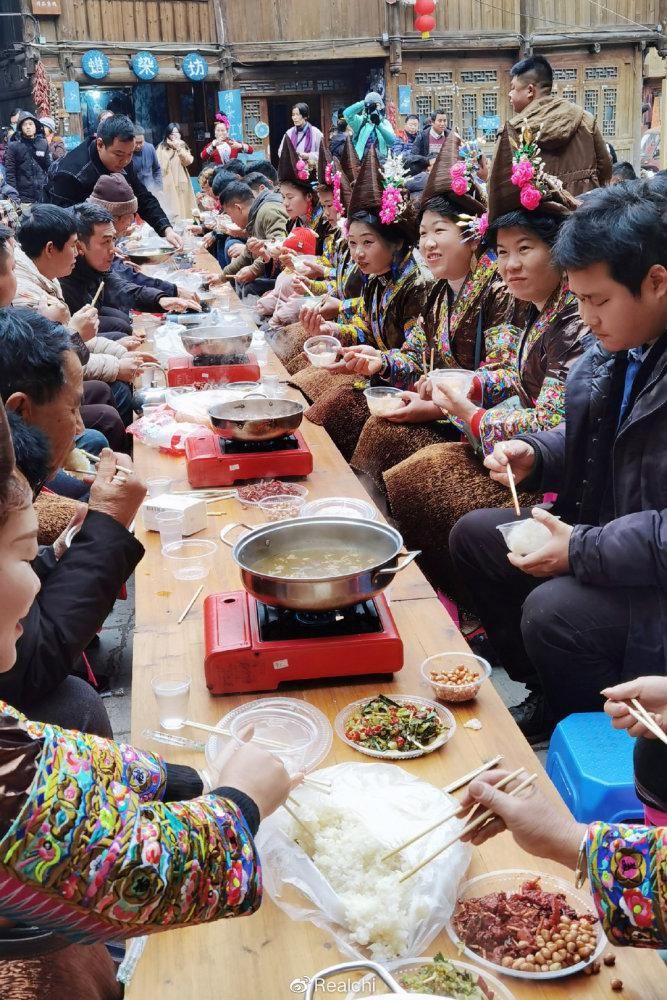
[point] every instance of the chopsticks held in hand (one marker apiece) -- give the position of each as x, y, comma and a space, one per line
512, 482
473, 824
639, 714
96, 461
97, 294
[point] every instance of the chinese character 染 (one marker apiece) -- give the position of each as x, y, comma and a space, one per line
145, 66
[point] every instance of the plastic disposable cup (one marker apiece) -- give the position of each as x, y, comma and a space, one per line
172, 694
170, 525
156, 487
271, 386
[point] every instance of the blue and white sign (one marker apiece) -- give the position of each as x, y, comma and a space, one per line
404, 100
71, 97
95, 64
229, 102
145, 65
195, 66
489, 123
71, 141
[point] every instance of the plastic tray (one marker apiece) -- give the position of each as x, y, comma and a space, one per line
306, 731
445, 715
510, 880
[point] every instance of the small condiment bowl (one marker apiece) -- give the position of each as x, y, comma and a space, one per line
322, 351
281, 507
447, 662
455, 378
383, 400
191, 559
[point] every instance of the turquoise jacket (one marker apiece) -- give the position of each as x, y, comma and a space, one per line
363, 129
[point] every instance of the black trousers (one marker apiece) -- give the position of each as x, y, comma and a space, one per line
99, 413
557, 636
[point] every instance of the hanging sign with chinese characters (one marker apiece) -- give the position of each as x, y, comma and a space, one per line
95, 64
144, 65
48, 8
194, 66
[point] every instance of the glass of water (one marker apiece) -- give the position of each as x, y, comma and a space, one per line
170, 525
172, 695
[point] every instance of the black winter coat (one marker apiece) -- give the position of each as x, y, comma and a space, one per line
27, 161
77, 594
74, 176
612, 485
80, 286
422, 143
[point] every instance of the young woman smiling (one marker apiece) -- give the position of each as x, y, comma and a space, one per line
521, 390
394, 295
463, 310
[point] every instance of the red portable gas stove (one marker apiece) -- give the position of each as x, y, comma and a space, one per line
214, 461
186, 371
253, 647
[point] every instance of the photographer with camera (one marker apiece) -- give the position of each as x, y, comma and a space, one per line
369, 125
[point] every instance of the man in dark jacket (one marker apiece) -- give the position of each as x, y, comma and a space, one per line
97, 249
41, 381
27, 158
601, 615
76, 174
263, 218
570, 141
431, 139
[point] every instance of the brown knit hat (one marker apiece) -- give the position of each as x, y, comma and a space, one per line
367, 197
349, 160
113, 192
292, 168
505, 196
440, 180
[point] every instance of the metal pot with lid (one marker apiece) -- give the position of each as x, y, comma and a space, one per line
347, 561
316, 983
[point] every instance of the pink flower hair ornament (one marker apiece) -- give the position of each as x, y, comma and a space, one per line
474, 226
337, 202
329, 174
302, 170
528, 169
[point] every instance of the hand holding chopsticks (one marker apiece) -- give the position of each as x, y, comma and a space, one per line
639, 714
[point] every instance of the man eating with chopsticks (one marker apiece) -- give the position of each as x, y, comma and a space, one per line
588, 608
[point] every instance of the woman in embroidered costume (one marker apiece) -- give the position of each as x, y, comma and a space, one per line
626, 865
522, 391
463, 310
333, 275
382, 232
100, 841
304, 212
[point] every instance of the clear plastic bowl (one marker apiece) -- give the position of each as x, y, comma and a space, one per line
498, 989
446, 662
296, 488
456, 378
322, 351
445, 716
191, 559
509, 881
340, 507
539, 536
281, 507
305, 733
383, 400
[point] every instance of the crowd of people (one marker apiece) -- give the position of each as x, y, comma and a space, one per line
543, 276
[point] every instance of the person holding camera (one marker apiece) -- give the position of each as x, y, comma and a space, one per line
369, 125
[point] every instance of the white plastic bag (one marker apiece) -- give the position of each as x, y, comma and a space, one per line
387, 806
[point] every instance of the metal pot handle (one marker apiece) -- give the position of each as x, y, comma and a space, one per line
230, 527
392, 570
253, 395
333, 970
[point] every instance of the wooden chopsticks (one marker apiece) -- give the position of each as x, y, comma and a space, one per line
473, 824
96, 461
640, 714
512, 482
97, 294
189, 605
455, 810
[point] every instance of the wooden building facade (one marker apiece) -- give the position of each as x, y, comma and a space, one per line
328, 52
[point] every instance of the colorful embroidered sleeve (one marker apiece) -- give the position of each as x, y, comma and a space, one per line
627, 868
508, 419
357, 330
405, 363
350, 307
88, 858
499, 374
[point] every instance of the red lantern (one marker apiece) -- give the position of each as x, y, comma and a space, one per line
424, 7
425, 23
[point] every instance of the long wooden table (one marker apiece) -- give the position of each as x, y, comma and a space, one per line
257, 958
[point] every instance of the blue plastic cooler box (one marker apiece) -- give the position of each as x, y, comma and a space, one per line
590, 763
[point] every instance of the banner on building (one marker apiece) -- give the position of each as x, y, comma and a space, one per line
229, 102
404, 100
71, 97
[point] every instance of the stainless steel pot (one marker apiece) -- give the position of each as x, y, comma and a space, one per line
150, 255
214, 343
256, 419
317, 982
380, 544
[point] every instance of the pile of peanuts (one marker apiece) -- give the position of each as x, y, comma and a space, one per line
573, 941
460, 676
